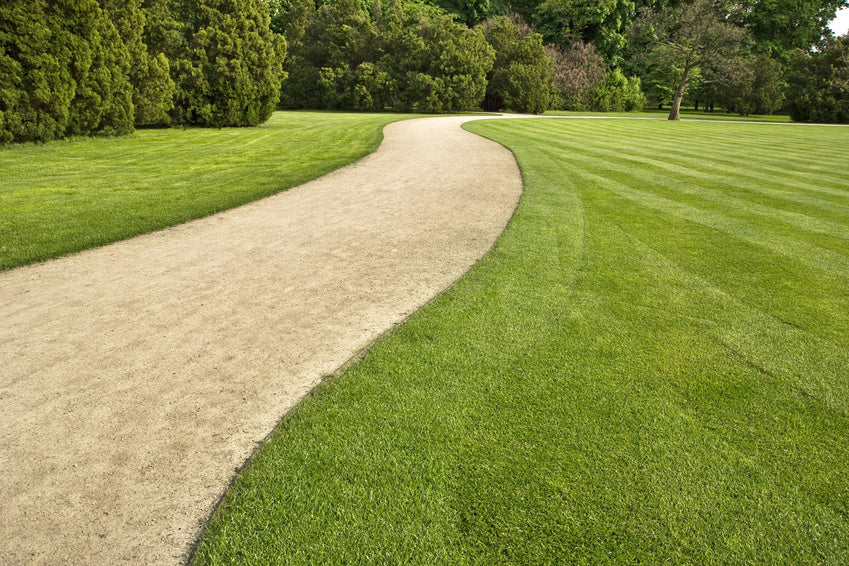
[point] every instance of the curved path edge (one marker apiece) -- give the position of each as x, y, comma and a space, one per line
137, 378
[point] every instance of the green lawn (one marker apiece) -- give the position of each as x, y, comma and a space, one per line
686, 114
652, 366
62, 197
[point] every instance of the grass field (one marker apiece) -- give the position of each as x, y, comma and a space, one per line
650, 367
686, 114
62, 197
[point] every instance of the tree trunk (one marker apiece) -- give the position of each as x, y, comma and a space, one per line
675, 112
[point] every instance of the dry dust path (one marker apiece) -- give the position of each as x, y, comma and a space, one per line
135, 379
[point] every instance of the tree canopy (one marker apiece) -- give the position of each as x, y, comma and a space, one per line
101, 67
819, 84
686, 38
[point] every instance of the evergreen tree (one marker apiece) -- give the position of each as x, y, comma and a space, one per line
163, 31
36, 88
153, 89
337, 39
434, 63
229, 69
98, 61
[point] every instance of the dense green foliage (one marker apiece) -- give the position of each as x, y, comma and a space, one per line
83, 67
86, 67
36, 87
616, 93
64, 71
650, 367
520, 79
352, 54
98, 62
149, 73
396, 57
819, 84
89, 192
228, 69
778, 27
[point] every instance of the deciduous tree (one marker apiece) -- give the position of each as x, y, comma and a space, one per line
687, 37
577, 70
819, 84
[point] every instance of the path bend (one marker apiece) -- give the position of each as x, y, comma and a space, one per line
138, 377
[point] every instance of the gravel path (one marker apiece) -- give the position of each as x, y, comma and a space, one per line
135, 379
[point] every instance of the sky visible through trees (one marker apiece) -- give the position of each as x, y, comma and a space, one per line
840, 24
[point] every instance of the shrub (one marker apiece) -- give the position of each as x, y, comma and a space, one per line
577, 71
818, 89
520, 79
617, 94
35, 87
398, 58
229, 69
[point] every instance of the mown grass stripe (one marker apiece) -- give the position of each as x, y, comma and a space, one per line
731, 322
807, 253
701, 191
792, 172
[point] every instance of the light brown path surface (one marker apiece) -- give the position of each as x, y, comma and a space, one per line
135, 379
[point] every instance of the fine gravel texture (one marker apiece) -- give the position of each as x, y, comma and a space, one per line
137, 378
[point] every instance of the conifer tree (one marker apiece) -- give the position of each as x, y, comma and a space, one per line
35, 87
98, 61
153, 89
229, 69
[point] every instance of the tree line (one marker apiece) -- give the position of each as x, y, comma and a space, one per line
104, 67
89, 67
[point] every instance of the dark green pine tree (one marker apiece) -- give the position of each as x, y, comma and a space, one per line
35, 87
229, 70
153, 89
99, 64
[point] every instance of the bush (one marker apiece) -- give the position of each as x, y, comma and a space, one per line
617, 94
445, 72
404, 59
229, 69
577, 71
35, 87
64, 72
149, 74
520, 79
818, 89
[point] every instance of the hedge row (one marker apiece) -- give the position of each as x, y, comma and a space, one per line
87, 67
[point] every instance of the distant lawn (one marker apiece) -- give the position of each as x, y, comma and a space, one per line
686, 114
66, 196
652, 366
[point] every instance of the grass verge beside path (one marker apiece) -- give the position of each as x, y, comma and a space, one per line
650, 367
66, 196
